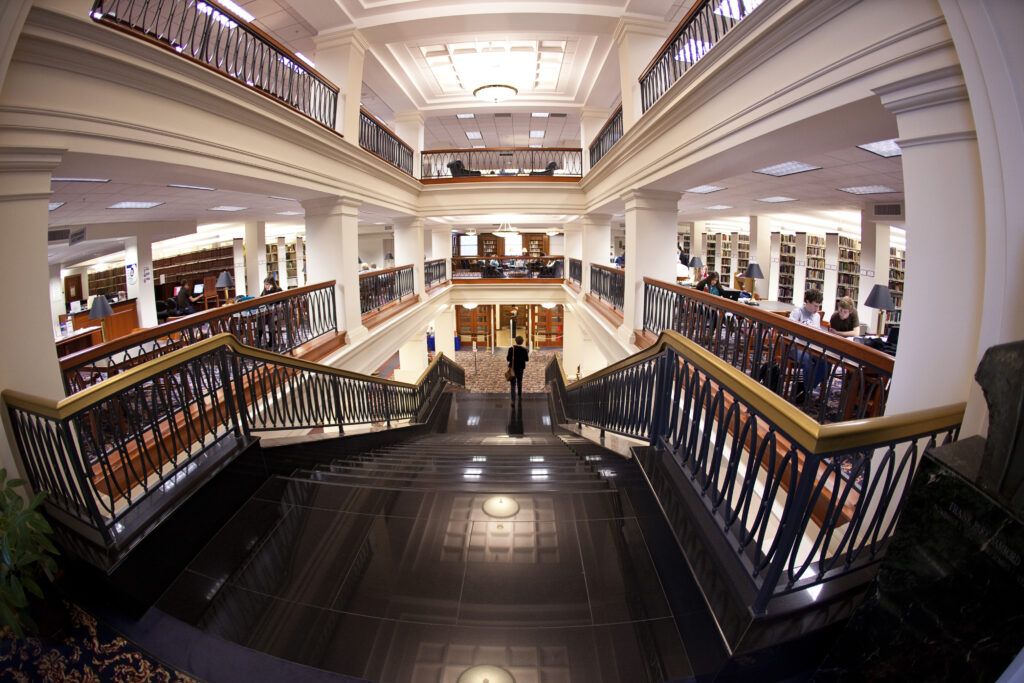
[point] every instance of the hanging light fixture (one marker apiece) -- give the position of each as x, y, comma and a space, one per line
505, 230
496, 92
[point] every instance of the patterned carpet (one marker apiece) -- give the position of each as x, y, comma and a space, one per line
485, 372
82, 650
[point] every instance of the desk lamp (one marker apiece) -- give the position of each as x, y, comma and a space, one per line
879, 297
225, 281
696, 263
99, 310
753, 272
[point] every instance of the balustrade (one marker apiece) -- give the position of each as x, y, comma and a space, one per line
381, 288
608, 285
503, 162
609, 135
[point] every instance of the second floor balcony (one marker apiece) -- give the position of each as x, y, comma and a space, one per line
562, 164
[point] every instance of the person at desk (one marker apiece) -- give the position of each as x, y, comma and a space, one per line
268, 314
269, 286
186, 300
814, 366
844, 321
710, 284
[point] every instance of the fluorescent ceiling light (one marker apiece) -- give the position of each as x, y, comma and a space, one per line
287, 199
306, 59
883, 148
478, 146
539, 115
242, 14
474, 135
55, 205
787, 168
228, 208
718, 207
868, 189
465, 116
289, 213
693, 50
80, 180
134, 205
536, 134
705, 189
776, 199
193, 187
536, 145
732, 8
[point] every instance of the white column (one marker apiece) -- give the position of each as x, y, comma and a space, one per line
831, 268
444, 332
874, 266
572, 340
441, 247
412, 358
945, 235
597, 237
697, 247
255, 257
58, 306
409, 126
651, 221
760, 252
332, 230
12, 20
409, 247
800, 270
775, 250
138, 255
300, 262
31, 356
238, 257
282, 263
637, 41
592, 119
339, 57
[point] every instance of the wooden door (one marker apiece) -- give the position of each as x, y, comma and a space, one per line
73, 288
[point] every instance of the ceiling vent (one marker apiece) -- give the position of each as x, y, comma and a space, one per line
58, 235
503, 116
557, 116
888, 210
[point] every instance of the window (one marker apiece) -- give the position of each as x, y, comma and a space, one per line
467, 245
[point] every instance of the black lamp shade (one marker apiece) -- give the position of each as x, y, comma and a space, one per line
100, 308
225, 280
753, 271
695, 262
880, 298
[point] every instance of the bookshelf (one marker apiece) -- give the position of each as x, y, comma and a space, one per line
535, 245
711, 252
897, 264
685, 242
194, 266
742, 252
787, 267
849, 269
725, 258
547, 326
107, 281
815, 262
489, 246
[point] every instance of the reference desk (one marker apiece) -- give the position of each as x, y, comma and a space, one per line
78, 340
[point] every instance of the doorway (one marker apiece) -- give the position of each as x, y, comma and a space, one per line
73, 288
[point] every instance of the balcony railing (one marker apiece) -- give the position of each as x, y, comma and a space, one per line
382, 288
434, 272
505, 163
608, 285
831, 378
707, 22
378, 139
278, 322
609, 135
782, 504
115, 461
576, 271
216, 38
476, 268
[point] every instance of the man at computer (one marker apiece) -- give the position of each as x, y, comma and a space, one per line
187, 298
814, 366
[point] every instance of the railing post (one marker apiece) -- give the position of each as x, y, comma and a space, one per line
336, 395
239, 393
660, 402
225, 383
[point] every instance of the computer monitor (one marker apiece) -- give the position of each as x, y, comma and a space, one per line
177, 288
76, 306
198, 289
733, 294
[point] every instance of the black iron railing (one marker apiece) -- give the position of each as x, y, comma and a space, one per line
608, 285
434, 272
831, 378
278, 322
786, 508
609, 135
378, 139
707, 22
576, 271
213, 36
503, 162
115, 460
507, 267
381, 288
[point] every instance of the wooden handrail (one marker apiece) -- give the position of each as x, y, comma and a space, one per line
604, 125
612, 269
382, 271
672, 36
504, 149
381, 124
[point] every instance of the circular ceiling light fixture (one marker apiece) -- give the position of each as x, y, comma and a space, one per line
500, 506
495, 93
485, 673
505, 230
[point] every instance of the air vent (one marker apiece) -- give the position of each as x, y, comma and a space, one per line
503, 116
889, 210
58, 235
557, 116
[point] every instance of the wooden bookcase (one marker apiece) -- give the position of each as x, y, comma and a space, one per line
548, 326
742, 252
724, 258
787, 267
535, 245
194, 267
108, 281
897, 264
815, 274
849, 269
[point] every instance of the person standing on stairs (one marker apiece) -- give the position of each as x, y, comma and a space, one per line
517, 357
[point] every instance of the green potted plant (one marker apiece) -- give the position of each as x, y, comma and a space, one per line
26, 555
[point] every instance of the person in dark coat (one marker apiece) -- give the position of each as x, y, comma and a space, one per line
517, 357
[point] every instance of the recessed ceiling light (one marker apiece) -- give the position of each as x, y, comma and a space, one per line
473, 135
306, 59
718, 207
692, 51
193, 187
134, 205
536, 145
539, 115
464, 116
287, 199
80, 180
776, 199
787, 168
868, 189
705, 189
55, 205
242, 14
536, 133
478, 146
228, 208
883, 148
289, 213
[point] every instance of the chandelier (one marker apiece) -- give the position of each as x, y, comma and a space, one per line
495, 93
505, 230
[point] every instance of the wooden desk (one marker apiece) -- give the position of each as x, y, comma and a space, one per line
78, 340
124, 319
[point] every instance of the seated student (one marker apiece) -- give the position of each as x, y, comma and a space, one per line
844, 321
710, 284
814, 366
186, 300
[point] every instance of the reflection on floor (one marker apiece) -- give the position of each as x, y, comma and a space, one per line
497, 548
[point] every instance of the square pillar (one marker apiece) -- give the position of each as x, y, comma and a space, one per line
138, 277
597, 239
339, 57
255, 257
409, 248
332, 230
652, 218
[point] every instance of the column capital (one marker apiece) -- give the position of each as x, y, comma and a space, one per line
26, 172
629, 26
596, 219
923, 91
653, 200
411, 116
348, 37
408, 222
332, 206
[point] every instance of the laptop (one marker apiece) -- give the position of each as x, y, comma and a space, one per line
733, 294
891, 341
